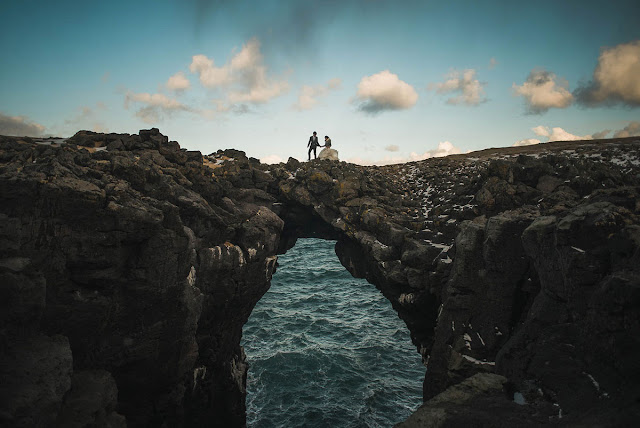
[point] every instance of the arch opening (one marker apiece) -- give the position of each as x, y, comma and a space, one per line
325, 348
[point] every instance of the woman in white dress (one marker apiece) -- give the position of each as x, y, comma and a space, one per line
328, 152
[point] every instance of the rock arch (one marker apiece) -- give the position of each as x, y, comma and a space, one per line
133, 264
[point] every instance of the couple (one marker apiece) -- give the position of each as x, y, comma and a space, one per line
313, 144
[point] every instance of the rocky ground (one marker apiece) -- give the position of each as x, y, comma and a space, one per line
129, 265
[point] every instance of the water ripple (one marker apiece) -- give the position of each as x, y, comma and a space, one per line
326, 349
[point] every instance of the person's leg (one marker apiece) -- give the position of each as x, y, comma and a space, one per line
314, 153
310, 153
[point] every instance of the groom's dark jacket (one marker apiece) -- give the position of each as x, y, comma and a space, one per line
313, 142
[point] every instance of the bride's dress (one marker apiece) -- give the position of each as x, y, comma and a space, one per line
328, 153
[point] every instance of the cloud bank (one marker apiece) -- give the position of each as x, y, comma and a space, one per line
542, 91
384, 91
558, 134
469, 90
616, 78
19, 126
631, 130
553, 134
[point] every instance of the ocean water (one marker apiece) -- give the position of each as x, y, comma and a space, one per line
326, 349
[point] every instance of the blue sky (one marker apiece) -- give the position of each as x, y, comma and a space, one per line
388, 81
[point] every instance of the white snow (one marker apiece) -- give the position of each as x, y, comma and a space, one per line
191, 278
595, 383
476, 361
467, 341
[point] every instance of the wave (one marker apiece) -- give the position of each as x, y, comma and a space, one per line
326, 349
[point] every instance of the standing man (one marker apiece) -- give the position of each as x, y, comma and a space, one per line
313, 144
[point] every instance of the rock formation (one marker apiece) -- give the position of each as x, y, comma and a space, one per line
128, 267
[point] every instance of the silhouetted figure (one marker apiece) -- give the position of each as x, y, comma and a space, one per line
313, 144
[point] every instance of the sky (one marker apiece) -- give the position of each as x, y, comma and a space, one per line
387, 81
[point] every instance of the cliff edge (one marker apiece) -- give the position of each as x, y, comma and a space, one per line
129, 265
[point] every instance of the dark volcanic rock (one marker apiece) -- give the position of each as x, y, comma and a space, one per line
35, 374
128, 267
476, 402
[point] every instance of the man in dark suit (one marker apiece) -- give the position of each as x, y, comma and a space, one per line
313, 144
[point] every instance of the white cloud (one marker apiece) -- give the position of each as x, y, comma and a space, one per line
392, 148
259, 93
616, 78
308, 96
526, 142
558, 134
155, 100
631, 130
271, 159
210, 75
19, 126
541, 92
154, 106
248, 58
470, 90
540, 130
384, 91
244, 77
178, 82
445, 148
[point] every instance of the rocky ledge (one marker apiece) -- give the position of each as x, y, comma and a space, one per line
128, 267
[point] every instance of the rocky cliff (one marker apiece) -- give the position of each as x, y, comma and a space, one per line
128, 267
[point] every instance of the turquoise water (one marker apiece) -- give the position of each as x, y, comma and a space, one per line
326, 349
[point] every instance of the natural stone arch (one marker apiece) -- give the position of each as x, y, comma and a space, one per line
140, 263
364, 258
